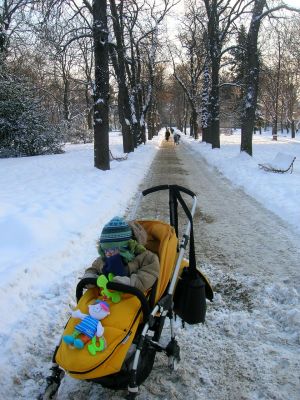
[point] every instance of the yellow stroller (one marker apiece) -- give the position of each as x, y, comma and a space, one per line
134, 326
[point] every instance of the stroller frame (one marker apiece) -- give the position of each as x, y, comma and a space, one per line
153, 320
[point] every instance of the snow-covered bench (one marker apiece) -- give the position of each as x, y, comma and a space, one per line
282, 163
112, 157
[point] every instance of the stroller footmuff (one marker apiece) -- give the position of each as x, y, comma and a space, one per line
119, 330
133, 327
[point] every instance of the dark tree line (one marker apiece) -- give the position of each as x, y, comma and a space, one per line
104, 54
93, 66
217, 27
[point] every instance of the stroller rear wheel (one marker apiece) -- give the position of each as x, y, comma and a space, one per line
120, 380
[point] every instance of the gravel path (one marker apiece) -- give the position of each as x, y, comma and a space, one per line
231, 228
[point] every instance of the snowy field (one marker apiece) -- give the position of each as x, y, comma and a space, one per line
52, 209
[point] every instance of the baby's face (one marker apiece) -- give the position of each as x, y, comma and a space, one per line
111, 252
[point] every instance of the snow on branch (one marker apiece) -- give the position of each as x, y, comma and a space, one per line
274, 9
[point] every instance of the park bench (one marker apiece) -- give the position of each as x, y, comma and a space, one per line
282, 163
112, 157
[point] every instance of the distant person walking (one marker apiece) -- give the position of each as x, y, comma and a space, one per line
167, 134
176, 137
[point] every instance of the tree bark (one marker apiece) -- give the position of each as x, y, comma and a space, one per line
5, 20
275, 125
205, 114
101, 91
67, 112
214, 47
89, 108
214, 103
250, 99
123, 96
293, 132
194, 123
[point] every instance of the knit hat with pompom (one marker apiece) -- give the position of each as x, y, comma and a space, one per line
116, 233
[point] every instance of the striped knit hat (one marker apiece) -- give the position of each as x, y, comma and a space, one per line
116, 233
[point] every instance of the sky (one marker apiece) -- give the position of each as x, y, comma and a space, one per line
178, 11
293, 3
52, 210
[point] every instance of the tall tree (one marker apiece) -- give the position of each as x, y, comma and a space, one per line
221, 17
101, 90
239, 66
117, 53
253, 68
205, 109
144, 44
192, 57
12, 18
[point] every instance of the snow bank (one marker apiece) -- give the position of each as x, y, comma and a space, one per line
279, 193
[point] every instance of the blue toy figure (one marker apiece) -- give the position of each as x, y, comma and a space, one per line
89, 328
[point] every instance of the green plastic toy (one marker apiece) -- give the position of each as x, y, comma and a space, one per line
102, 281
93, 348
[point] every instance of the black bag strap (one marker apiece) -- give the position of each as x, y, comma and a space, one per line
174, 197
173, 206
192, 256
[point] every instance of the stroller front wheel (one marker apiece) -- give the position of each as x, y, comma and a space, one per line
173, 353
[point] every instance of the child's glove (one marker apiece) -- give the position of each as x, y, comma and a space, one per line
125, 280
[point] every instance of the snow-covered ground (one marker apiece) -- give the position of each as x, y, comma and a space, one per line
277, 192
52, 209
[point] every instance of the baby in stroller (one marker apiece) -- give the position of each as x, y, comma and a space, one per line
132, 327
122, 253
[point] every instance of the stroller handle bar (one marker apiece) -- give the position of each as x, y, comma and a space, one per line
175, 198
120, 287
173, 189
165, 187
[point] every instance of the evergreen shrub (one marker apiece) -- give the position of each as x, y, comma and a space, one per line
25, 129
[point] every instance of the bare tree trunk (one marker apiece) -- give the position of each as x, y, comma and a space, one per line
123, 102
101, 91
123, 96
185, 117
205, 115
124, 113
150, 123
293, 129
214, 104
67, 113
250, 100
89, 108
194, 123
185, 113
275, 124
5, 20
3, 50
